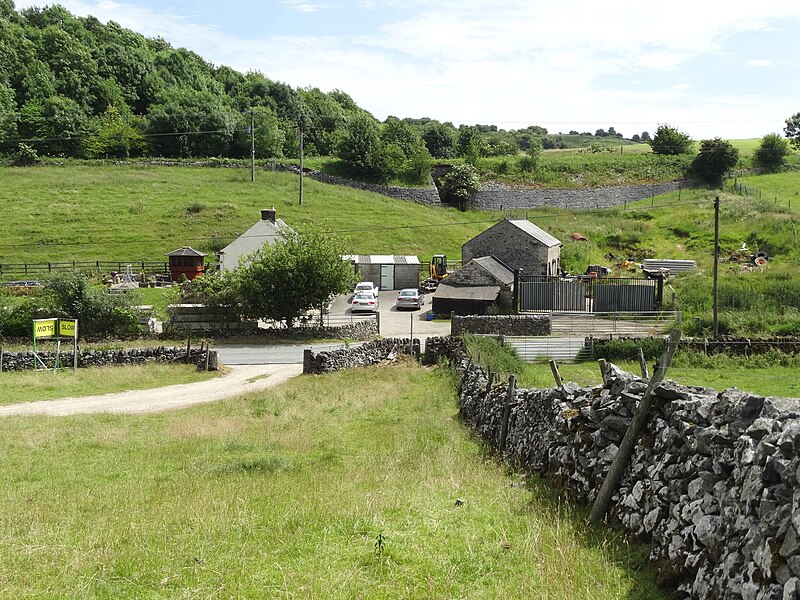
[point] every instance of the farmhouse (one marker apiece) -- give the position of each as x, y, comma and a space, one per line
519, 244
476, 287
266, 231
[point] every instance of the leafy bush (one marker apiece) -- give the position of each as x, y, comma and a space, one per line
668, 140
459, 185
628, 349
771, 152
715, 158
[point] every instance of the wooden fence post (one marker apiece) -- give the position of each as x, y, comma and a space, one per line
632, 433
556, 374
512, 382
643, 363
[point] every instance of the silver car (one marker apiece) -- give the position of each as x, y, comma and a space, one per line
364, 302
410, 298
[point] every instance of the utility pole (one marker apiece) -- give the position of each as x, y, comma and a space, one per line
716, 266
302, 126
252, 146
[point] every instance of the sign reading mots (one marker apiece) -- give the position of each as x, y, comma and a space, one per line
56, 330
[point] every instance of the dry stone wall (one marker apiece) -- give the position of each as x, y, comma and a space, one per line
25, 361
359, 356
713, 481
501, 324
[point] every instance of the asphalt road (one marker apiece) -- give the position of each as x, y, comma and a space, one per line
394, 323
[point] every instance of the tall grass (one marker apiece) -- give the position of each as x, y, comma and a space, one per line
286, 494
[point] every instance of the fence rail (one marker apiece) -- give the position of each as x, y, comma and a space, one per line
34, 270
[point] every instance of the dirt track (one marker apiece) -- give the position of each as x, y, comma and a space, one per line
239, 380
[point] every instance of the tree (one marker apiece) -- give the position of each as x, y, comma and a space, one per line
469, 143
362, 149
714, 159
792, 130
459, 185
299, 272
771, 152
645, 136
668, 140
439, 139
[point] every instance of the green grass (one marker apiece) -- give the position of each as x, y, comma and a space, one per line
773, 374
29, 386
285, 494
133, 213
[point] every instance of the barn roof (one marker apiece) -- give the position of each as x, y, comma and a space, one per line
467, 292
535, 232
382, 259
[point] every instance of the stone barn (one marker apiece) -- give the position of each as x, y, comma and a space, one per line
475, 288
387, 271
519, 244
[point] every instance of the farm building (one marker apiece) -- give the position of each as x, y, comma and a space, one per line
475, 288
387, 271
266, 231
519, 244
186, 261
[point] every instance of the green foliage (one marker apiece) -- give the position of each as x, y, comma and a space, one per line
69, 295
439, 139
25, 156
459, 185
792, 129
771, 153
299, 272
468, 144
668, 140
628, 349
715, 158
362, 149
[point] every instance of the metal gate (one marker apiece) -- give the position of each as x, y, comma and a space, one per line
586, 294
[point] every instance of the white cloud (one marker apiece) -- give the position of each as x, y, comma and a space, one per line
505, 61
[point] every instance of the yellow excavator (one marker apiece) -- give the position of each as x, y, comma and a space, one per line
437, 269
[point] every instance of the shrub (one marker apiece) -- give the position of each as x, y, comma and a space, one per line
668, 140
26, 156
628, 349
771, 152
715, 158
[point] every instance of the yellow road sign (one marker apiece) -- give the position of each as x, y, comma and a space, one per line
44, 328
67, 328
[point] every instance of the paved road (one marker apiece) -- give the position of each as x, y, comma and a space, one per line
281, 354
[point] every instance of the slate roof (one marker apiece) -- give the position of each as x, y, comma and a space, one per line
535, 232
186, 251
467, 292
497, 268
262, 232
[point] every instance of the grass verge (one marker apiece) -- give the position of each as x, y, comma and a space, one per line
29, 386
361, 484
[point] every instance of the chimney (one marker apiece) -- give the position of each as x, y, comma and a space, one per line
268, 214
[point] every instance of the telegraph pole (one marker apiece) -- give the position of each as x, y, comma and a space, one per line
252, 146
302, 126
716, 266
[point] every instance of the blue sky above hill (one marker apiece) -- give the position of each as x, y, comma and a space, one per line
713, 68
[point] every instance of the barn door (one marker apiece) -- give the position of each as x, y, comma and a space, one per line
387, 277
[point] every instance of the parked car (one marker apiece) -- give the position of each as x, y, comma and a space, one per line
366, 287
410, 298
364, 302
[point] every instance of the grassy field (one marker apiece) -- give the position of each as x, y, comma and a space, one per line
770, 375
29, 386
361, 484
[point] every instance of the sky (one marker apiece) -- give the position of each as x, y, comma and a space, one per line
710, 68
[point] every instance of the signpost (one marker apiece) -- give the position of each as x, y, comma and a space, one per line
56, 329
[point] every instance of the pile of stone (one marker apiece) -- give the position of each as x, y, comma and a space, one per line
713, 480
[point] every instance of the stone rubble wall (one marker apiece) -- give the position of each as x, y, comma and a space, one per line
496, 196
359, 356
24, 361
533, 325
712, 483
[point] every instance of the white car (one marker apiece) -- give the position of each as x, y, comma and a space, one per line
364, 302
366, 287
410, 298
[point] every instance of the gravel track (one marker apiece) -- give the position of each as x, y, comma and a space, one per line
240, 379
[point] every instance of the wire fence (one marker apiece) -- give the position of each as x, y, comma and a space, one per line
33, 270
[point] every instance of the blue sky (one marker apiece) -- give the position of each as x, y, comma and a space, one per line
711, 68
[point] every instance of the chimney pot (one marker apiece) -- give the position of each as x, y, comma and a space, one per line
268, 214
